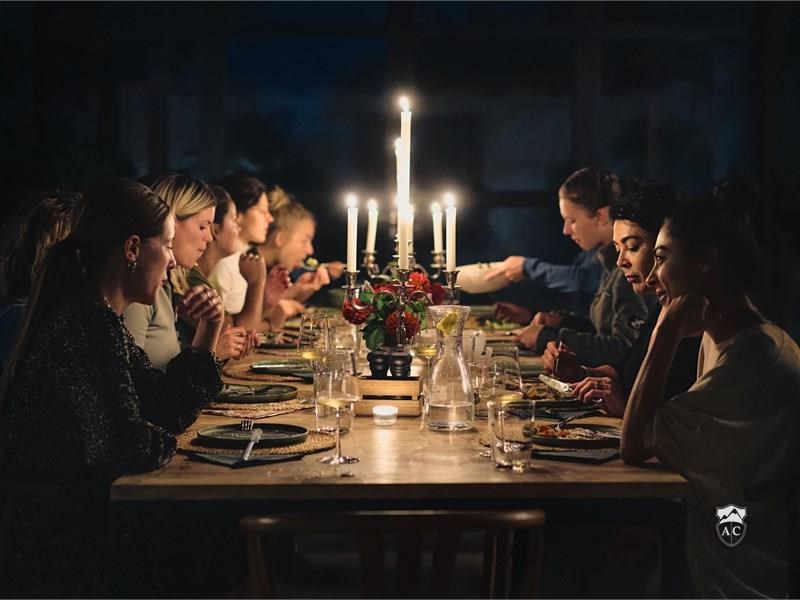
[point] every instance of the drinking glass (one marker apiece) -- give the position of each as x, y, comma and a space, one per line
328, 375
424, 346
508, 421
314, 338
501, 384
338, 391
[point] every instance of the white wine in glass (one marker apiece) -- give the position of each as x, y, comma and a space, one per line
338, 401
424, 350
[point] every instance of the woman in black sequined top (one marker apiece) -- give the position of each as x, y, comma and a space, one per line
81, 404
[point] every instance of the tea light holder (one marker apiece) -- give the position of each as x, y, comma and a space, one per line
384, 415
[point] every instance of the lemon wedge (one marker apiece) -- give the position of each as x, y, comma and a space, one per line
448, 323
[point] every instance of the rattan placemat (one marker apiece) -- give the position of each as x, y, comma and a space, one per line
260, 410
315, 442
242, 371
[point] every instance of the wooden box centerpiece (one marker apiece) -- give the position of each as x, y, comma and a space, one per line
402, 392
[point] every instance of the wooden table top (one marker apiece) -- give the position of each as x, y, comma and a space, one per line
401, 462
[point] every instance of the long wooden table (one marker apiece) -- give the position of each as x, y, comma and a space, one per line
401, 463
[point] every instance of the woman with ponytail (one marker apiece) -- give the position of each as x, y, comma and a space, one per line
736, 426
617, 312
81, 403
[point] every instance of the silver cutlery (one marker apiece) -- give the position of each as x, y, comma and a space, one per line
255, 436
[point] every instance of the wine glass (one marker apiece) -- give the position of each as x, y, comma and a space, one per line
337, 390
314, 338
424, 346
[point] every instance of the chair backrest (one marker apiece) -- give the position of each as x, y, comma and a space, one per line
789, 489
525, 526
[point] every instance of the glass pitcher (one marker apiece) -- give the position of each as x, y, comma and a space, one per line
450, 405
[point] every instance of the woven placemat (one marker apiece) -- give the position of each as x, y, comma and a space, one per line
315, 442
242, 371
260, 410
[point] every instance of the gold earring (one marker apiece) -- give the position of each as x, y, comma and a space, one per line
131, 267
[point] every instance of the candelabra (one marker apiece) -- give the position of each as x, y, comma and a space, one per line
370, 265
450, 278
350, 287
437, 264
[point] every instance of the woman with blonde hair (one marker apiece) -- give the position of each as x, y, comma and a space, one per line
289, 242
153, 326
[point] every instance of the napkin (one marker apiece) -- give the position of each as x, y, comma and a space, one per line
236, 462
596, 456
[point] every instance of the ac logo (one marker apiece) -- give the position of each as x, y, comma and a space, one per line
731, 526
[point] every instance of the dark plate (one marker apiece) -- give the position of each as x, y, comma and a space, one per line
603, 442
255, 394
277, 346
297, 368
272, 434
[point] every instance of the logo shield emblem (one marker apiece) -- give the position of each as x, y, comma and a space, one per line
730, 524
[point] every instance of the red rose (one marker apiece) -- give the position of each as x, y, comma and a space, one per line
418, 281
438, 293
393, 321
355, 313
389, 288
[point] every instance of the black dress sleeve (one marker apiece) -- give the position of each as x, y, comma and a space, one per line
173, 399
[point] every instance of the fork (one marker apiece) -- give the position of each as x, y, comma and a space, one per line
255, 436
561, 424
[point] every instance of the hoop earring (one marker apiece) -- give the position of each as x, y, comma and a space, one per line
131, 267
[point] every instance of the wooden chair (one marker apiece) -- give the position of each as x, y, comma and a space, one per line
10, 493
789, 489
501, 527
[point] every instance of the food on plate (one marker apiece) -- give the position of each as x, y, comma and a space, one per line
567, 433
491, 324
540, 391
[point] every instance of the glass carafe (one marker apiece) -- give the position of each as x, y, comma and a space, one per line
450, 404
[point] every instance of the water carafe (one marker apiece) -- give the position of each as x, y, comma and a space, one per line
450, 403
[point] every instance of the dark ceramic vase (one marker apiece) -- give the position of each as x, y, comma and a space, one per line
378, 363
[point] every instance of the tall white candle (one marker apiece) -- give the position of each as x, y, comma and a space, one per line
403, 218
352, 232
436, 213
404, 151
451, 232
411, 211
372, 224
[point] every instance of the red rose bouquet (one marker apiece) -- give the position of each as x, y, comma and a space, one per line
378, 309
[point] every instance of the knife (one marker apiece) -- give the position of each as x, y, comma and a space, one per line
555, 384
255, 436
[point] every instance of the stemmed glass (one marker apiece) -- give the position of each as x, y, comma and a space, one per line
337, 390
314, 338
424, 346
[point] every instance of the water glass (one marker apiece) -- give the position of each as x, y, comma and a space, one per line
508, 423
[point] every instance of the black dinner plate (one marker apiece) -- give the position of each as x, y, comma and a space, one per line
256, 394
607, 441
272, 434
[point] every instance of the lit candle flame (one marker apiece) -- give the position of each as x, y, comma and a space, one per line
351, 200
436, 207
449, 199
405, 105
372, 204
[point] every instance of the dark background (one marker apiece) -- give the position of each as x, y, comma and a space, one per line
508, 99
